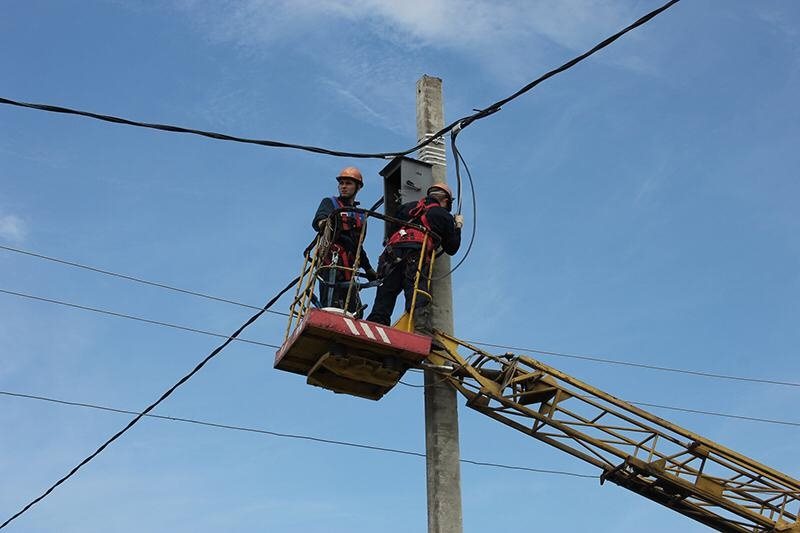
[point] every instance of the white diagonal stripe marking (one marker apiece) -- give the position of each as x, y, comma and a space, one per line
368, 331
383, 335
352, 326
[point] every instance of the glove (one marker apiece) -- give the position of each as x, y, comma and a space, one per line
371, 274
459, 221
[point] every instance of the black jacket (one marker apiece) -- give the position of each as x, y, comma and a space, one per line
348, 239
441, 222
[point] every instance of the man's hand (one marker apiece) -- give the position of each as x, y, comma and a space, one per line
371, 274
459, 221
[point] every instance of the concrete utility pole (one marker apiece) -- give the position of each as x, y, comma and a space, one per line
441, 410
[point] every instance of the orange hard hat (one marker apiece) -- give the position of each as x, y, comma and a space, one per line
351, 173
442, 186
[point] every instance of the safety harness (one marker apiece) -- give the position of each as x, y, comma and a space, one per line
407, 234
349, 219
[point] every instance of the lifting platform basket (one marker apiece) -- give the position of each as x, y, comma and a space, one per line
335, 349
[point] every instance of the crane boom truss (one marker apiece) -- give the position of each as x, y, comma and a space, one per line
634, 449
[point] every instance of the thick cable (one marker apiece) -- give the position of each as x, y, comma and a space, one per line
132, 317
495, 107
457, 161
284, 435
459, 123
209, 134
152, 406
458, 157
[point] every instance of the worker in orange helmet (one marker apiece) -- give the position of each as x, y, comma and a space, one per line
346, 230
398, 263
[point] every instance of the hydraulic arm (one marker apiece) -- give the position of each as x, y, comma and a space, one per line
632, 448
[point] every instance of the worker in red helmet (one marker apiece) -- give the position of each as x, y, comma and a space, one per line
398, 263
346, 227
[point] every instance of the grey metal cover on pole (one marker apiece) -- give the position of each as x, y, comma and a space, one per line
441, 408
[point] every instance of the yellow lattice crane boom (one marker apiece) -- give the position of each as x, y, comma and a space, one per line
632, 448
337, 350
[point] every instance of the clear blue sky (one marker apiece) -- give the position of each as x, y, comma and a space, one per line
641, 206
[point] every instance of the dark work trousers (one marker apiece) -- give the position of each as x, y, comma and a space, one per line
336, 294
398, 268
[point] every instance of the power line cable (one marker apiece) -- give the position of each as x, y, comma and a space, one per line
135, 279
713, 413
457, 124
454, 131
580, 357
639, 365
672, 408
152, 406
459, 159
209, 134
133, 317
495, 107
233, 302
285, 435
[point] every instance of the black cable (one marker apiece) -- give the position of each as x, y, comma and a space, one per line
152, 406
457, 161
713, 413
209, 134
459, 158
282, 435
638, 365
673, 408
495, 107
478, 343
659, 406
498, 105
459, 123
377, 204
474, 207
132, 317
135, 279
525, 468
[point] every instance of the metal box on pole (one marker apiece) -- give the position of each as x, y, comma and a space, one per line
404, 180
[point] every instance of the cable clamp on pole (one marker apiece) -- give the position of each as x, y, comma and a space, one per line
439, 368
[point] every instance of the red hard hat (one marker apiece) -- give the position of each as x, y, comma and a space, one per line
351, 173
441, 186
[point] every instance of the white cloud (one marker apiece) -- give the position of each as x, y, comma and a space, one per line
466, 25
473, 24
777, 17
365, 51
13, 228
360, 107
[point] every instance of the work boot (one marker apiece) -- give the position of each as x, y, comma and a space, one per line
423, 325
423, 321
